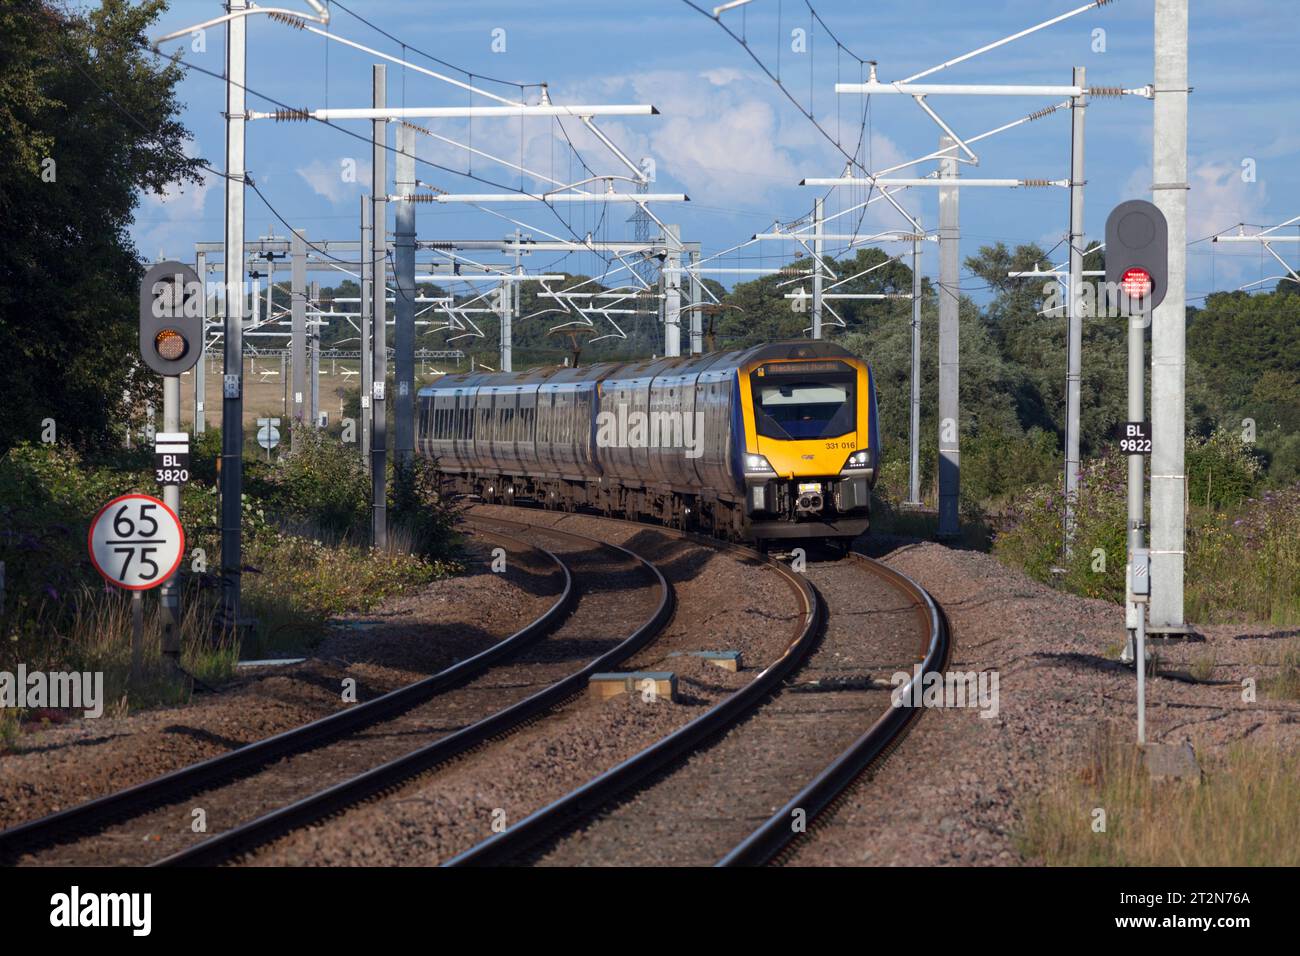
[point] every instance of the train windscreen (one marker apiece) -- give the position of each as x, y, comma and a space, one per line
819, 406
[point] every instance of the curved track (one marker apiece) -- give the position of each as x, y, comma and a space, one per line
594, 603
88, 818
557, 822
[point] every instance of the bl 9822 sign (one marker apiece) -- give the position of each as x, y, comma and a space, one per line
136, 542
1135, 438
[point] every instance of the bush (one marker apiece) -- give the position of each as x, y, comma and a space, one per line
418, 506
998, 465
1247, 563
320, 487
1283, 453
297, 584
1221, 469
1095, 567
47, 497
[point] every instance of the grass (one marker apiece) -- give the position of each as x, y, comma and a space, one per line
1285, 685
1246, 812
94, 635
1203, 667
302, 582
1245, 564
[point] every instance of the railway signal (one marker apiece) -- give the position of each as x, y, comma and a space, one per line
1137, 254
171, 342
171, 318
1137, 262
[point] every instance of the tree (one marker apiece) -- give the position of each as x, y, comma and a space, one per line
87, 122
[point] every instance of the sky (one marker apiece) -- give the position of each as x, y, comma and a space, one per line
729, 137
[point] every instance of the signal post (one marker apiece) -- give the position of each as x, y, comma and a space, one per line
1137, 255
171, 342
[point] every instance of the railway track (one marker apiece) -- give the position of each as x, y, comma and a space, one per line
122, 816
726, 593
548, 834
521, 691
831, 765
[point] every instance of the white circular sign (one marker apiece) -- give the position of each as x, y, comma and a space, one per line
136, 542
268, 436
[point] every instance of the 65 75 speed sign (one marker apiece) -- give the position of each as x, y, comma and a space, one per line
136, 542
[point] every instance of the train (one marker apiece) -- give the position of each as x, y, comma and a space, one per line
771, 442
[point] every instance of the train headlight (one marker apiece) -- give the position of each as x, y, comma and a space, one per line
758, 465
859, 459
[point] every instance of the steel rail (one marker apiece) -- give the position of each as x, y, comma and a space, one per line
76, 822
776, 834
599, 791
261, 830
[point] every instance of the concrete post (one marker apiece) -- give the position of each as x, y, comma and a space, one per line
313, 368
1168, 330
505, 359
1074, 334
297, 333
673, 293
914, 429
819, 212
404, 301
949, 354
232, 405
379, 342
200, 367
697, 299
367, 330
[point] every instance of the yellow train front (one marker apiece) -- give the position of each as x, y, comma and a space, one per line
810, 446
771, 442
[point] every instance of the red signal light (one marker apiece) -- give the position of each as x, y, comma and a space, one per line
1136, 283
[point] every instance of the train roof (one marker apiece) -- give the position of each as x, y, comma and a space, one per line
643, 368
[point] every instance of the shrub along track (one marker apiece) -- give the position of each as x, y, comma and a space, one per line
739, 801
144, 822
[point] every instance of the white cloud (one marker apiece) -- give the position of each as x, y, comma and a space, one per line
337, 179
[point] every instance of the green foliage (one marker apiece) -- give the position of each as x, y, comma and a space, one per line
1283, 453
998, 465
48, 495
1248, 347
79, 89
420, 508
297, 584
320, 487
1221, 470
1246, 562
1095, 567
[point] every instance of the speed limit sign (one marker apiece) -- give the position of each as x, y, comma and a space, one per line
136, 542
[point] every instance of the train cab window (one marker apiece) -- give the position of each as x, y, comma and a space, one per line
804, 409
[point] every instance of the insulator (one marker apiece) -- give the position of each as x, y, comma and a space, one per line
1045, 111
1035, 182
287, 20
292, 115
1105, 91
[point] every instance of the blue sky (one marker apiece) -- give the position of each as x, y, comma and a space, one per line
730, 138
